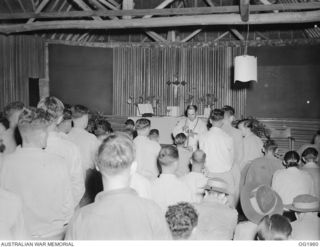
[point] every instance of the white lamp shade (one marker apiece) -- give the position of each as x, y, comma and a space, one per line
245, 68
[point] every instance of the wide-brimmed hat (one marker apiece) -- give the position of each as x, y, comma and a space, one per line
259, 201
304, 203
217, 184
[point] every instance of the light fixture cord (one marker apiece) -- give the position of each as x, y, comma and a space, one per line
246, 41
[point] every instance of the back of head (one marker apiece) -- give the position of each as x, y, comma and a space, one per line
154, 132
115, 154
31, 120
102, 127
180, 139
142, 124
270, 146
12, 111
275, 227
228, 111
291, 159
182, 218
309, 155
129, 122
198, 157
216, 115
79, 111
168, 155
53, 106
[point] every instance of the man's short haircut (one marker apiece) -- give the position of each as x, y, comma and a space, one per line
199, 156
104, 124
182, 218
270, 145
52, 105
291, 159
12, 107
129, 122
115, 154
78, 111
216, 115
154, 132
67, 114
168, 155
180, 139
310, 154
275, 227
229, 110
33, 119
142, 124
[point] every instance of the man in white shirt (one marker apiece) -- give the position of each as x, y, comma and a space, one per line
56, 144
146, 150
196, 180
39, 178
12, 225
292, 181
12, 112
118, 213
229, 117
219, 149
168, 189
87, 143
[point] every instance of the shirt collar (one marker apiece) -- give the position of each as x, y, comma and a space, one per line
103, 194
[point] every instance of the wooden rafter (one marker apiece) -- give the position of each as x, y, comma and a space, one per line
84, 6
109, 5
221, 36
8, 6
159, 12
191, 35
209, 2
200, 20
38, 9
22, 6
237, 34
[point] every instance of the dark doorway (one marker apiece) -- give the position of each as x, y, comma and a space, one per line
34, 94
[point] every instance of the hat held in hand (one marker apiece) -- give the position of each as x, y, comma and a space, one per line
260, 201
305, 203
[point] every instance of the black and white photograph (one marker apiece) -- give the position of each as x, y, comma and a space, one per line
159, 122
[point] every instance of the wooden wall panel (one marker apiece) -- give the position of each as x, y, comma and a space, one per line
144, 71
21, 57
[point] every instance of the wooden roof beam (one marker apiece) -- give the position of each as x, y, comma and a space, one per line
191, 35
177, 21
84, 6
160, 12
39, 9
237, 34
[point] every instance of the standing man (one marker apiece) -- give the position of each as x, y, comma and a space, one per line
58, 145
219, 150
237, 145
192, 126
118, 213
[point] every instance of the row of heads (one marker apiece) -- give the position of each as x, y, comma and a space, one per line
48, 110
